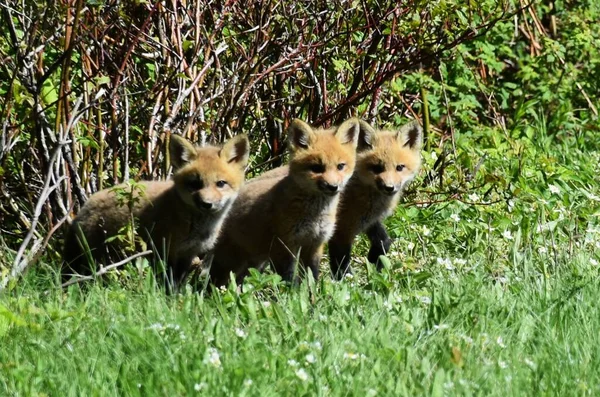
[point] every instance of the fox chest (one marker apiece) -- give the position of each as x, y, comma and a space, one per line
379, 208
313, 231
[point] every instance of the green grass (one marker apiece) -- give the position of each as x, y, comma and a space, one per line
492, 292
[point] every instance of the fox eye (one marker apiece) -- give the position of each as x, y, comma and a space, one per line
399, 167
221, 184
194, 184
317, 168
377, 168
341, 166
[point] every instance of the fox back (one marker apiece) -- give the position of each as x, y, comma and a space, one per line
387, 161
287, 218
180, 218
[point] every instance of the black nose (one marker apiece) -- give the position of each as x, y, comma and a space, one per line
389, 189
203, 204
331, 188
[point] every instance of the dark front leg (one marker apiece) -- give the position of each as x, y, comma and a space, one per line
311, 259
339, 258
176, 273
284, 263
380, 242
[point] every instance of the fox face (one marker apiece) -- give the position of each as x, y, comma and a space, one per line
208, 179
388, 160
322, 161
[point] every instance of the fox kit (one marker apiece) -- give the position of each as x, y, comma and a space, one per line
181, 217
276, 219
386, 162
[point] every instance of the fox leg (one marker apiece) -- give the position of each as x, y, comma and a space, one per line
339, 257
380, 242
311, 259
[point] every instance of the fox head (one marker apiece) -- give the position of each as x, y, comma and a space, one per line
208, 178
388, 160
322, 161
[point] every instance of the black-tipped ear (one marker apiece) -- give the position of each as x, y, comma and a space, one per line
348, 132
365, 137
181, 151
299, 135
236, 150
411, 135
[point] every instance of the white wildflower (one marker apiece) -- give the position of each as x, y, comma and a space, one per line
460, 261
542, 250
554, 189
387, 305
248, 382
212, 357
410, 246
473, 197
426, 231
500, 342
426, 300
266, 304
455, 218
434, 156
310, 358
200, 386
240, 333
317, 345
502, 364
529, 363
351, 356
292, 363
302, 374
371, 393
507, 234
446, 263
593, 262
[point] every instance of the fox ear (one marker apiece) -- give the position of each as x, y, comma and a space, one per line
411, 135
365, 137
181, 151
348, 132
236, 150
299, 135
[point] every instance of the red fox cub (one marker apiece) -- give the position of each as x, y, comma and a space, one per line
287, 219
386, 162
181, 217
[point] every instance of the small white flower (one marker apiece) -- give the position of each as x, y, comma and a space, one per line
460, 261
426, 300
240, 333
200, 386
502, 364
292, 363
248, 382
302, 374
426, 231
449, 385
593, 262
473, 197
410, 246
266, 304
212, 357
371, 393
507, 234
542, 250
222, 289
554, 189
529, 363
446, 263
455, 218
139, 385
500, 342
434, 156
317, 345
351, 356
310, 358
441, 326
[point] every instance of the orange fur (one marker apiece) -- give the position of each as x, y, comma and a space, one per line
287, 218
180, 218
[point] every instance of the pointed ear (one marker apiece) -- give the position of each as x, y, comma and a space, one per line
236, 150
181, 151
365, 137
348, 132
299, 135
411, 135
